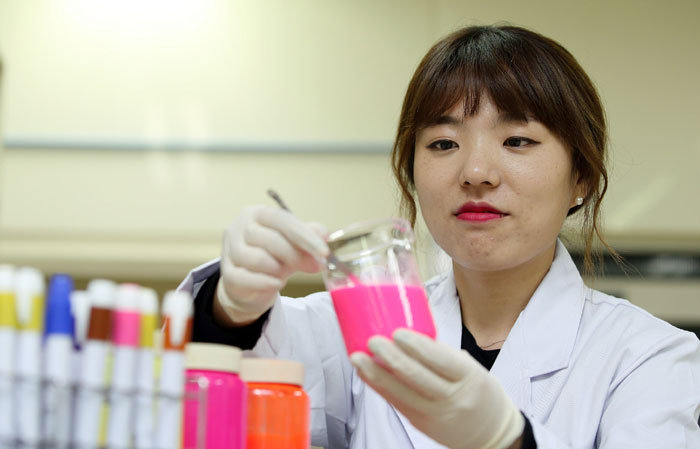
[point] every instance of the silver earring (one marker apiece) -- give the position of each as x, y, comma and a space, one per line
579, 200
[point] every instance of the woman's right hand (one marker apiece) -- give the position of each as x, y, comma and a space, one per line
261, 249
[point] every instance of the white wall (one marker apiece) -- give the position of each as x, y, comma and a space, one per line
275, 75
209, 71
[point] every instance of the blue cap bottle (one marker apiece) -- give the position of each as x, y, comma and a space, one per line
59, 319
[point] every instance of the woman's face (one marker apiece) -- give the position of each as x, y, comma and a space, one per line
494, 190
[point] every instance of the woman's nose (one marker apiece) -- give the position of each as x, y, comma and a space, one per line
480, 165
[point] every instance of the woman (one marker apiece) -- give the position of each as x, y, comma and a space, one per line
501, 137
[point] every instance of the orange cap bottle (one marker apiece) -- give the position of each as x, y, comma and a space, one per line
278, 407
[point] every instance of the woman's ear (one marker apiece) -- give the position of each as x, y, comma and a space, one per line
581, 190
580, 193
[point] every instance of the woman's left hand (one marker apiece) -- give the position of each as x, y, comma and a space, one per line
444, 392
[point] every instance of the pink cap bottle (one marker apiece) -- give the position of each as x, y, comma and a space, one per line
215, 398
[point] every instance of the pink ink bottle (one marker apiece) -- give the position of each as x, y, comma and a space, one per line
215, 403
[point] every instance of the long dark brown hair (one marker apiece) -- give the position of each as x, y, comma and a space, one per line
526, 75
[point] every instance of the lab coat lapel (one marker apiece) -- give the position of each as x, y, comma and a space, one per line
543, 336
444, 304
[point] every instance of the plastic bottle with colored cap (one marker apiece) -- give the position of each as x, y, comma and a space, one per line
278, 407
57, 366
92, 379
126, 335
8, 329
215, 398
145, 384
30, 295
177, 332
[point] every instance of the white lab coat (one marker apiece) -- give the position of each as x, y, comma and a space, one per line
589, 370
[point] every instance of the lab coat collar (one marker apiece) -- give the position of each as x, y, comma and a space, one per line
445, 306
542, 338
551, 316
544, 334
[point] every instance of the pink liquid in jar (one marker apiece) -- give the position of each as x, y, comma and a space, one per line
367, 310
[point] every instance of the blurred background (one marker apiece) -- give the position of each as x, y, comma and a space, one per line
134, 131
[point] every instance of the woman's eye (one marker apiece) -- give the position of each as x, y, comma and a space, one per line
518, 142
443, 144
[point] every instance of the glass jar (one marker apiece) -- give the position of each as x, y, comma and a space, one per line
375, 283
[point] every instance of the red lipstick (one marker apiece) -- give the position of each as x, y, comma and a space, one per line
478, 212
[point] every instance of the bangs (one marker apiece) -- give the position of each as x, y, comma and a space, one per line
517, 76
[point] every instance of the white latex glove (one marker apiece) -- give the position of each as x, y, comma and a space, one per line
444, 392
261, 249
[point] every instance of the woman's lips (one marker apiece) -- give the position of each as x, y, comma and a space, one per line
478, 212
478, 216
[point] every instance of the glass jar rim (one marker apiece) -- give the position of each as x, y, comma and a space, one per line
367, 227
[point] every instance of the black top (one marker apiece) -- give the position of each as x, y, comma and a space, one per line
206, 330
486, 358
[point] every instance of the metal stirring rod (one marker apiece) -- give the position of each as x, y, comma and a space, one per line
331, 257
